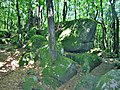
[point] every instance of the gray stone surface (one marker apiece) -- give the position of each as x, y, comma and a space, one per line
70, 72
109, 81
78, 35
88, 82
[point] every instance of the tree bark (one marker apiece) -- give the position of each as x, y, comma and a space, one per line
104, 37
19, 25
58, 11
75, 9
64, 10
51, 29
115, 27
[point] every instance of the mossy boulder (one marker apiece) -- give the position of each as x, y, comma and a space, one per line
88, 82
86, 60
58, 73
77, 35
109, 81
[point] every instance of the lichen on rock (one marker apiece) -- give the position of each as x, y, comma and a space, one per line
109, 81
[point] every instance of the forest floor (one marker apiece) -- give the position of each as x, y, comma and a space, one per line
12, 76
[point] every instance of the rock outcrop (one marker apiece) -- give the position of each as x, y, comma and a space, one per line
77, 35
109, 81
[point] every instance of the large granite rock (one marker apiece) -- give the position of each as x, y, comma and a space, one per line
77, 35
88, 82
87, 61
59, 72
109, 81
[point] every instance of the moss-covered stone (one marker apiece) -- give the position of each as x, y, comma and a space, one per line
77, 35
86, 60
88, 82
109, 81
58, 73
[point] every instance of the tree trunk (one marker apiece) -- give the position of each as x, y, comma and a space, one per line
51, 29
75, 9
64, 10
58, 11
104, 37
19, 25
115, 27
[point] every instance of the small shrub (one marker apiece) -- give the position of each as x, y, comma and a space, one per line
30, 83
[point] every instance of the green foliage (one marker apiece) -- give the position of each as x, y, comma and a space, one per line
3, 33
51, 81
83, 9
33, 53
26, 58
30, 83
36, 42
45, 57
4, 36
32, 32
14, 39
109, 54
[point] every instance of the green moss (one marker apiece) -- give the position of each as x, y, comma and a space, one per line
88, 82
86, 60
73, 33
51, 81
59, 68
51, 72
71, 43
30, 82
109, 81
36, 42
83, 57
45, 57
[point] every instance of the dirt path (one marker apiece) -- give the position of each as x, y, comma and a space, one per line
13, 80
10, 75
9, 60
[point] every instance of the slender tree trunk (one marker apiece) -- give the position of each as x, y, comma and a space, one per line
79, 8
96, 14
19, 25
38, 15
41, 15
115, 26
104, 37
4, 22
29, 22
8, 20
30, 13
58, 11
64, 10
75, 9
51, 29
87, 9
